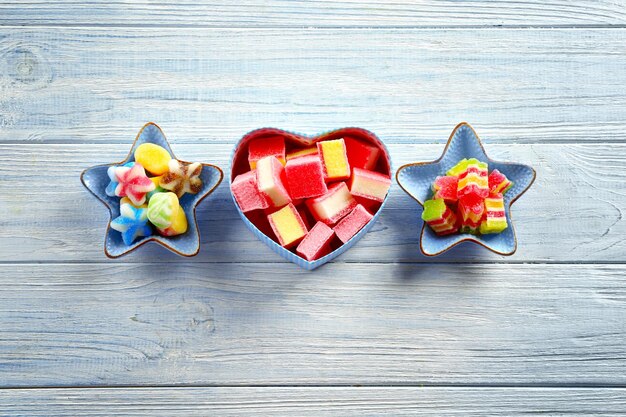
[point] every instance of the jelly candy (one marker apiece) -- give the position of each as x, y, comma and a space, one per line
439, 217
361, 155
305, 177
162, 209
270, 176
498, 182
495, 218
474, 179
316, 243
247, 194
182, 178
287, 226
332, 206
153, 158
446, 188
133, 183
352, 223
132, 223
269, 146
334, 159
369, 185
110, 190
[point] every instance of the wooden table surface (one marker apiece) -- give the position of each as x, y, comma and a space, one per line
382, 330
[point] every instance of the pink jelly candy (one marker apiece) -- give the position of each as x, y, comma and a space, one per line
247, 194
332, 206
471, 210
498, 182
352, 223
261, 148
316, 243
369, 185
361, 155
445, 187
305, 177
270, 177
133, 183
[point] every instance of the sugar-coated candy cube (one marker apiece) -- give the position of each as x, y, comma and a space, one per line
305, 177
301, 152
182, 178
498, 182
133, 183
445, 187
153, 158
471, 210
360, 154
332, 206
110, 190
456, 170
270, 177
334, 159
247, 194
178, 225
316, 243
369, 185
473, 180
439, 217
261, 148
287, 226
162, 209
132, 223
495, 216
352, 223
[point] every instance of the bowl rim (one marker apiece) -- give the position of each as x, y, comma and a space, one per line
152, 238
469, 238
306, 139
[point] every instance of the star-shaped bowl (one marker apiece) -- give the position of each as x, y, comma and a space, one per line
95, 179
239, 164
416, 180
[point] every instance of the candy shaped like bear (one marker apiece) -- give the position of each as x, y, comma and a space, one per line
270, 177
154, 158
287, 226
334, 159
445, 187
473, 180
369, 185
352, 223
182, 178
305, 177
316, 243
439, 217
360, 154
495, 216
262, 148
332, 206
247, 194
498, 182
133, 183
132, 223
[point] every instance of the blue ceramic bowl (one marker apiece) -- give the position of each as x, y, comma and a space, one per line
95, 179
416, 180
239, 163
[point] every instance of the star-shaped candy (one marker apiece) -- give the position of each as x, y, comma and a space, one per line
133, 183
417, 178
132, 223
185, 243
182, 178
110, 190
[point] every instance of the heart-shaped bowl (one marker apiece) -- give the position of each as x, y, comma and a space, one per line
239, 165
417, 178
95, 179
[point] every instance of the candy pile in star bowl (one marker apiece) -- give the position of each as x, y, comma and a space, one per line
463, 192
310, 198
152, 196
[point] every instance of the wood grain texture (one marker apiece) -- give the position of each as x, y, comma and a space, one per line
232, 324
303, 13
314, 402
64, 85
573, 212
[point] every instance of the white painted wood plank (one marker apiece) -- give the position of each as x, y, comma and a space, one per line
314, 402
574, 211
533, 85
215, 324
302, 13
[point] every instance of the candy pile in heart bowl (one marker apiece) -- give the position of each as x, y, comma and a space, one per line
311, 197
149, 189
468, 199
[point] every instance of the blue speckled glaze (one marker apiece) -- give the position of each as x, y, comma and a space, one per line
416, 180
290, 256
96, 180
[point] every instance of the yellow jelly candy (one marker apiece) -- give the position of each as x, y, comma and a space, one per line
178, 226
153, 158
126, 200
163, 209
